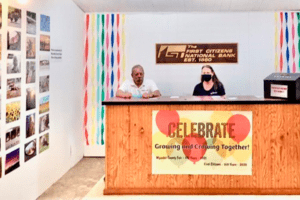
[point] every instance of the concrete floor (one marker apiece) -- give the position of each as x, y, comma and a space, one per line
78, 181
81, 179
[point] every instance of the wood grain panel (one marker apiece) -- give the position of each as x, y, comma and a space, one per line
117, 133
276, 153
202, 191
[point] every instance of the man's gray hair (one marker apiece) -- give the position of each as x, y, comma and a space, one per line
135, 67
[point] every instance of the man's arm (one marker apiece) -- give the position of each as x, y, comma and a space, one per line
122, 94
122, 91
154, 94
155, 90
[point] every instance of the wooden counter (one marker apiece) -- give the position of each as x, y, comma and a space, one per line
276, 148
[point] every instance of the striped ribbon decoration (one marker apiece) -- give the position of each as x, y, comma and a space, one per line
281, 42
86, 53
98, 79
104, 45
287, 43
112, 59
290, 58
293, 47
102, 78
107, 58
276, 42
298, 16
118, 50
123, 47
93, 77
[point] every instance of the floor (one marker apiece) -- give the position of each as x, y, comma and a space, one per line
84, 182
78, 181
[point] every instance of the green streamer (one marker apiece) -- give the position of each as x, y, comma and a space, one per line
102, 78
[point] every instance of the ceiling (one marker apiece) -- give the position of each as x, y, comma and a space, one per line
187, 5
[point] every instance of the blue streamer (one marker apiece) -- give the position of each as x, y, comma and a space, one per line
112, 55
287, 43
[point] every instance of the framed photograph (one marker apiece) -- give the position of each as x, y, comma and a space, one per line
30, 48
31, 23
14, 17
45, 23
13, 63
12, 137
13, 40
44, 104
30, 98
13, 111
13, 88
30, 125
45, 42
44, 83
44, 143
30, 150
44, 123
12, 161
44, 62
30, 72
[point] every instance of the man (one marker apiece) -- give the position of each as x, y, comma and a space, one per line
137, 87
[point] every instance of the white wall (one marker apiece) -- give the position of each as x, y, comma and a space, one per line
254, 33
32, 178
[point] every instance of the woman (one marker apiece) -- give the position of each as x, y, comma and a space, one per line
210, 84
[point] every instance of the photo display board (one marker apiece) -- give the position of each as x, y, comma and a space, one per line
24, 86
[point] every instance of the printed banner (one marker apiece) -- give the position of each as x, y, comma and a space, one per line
202, 142
196, 53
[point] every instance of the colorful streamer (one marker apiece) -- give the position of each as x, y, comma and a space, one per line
290, 58
112, 55
102, 79
293, 40
107, 57
123, 47
93, 77
287, 43
298, 16
276, 42
104, 45
86, 50
98, 79
281, 41
118, 50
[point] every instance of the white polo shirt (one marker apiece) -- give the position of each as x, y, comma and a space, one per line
148, 86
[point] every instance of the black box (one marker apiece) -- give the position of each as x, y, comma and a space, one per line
282, 86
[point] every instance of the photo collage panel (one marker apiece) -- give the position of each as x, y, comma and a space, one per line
26, 94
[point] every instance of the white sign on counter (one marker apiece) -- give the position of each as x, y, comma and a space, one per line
279, 91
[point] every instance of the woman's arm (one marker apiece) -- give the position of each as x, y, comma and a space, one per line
221, 91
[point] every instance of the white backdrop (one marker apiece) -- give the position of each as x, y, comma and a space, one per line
254, 33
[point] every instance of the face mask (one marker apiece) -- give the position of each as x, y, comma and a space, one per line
206, 77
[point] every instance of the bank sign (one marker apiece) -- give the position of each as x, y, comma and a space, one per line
196, 53
202, 142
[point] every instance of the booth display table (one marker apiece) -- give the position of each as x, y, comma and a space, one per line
275, 147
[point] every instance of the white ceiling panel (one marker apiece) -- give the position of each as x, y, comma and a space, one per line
187, 5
